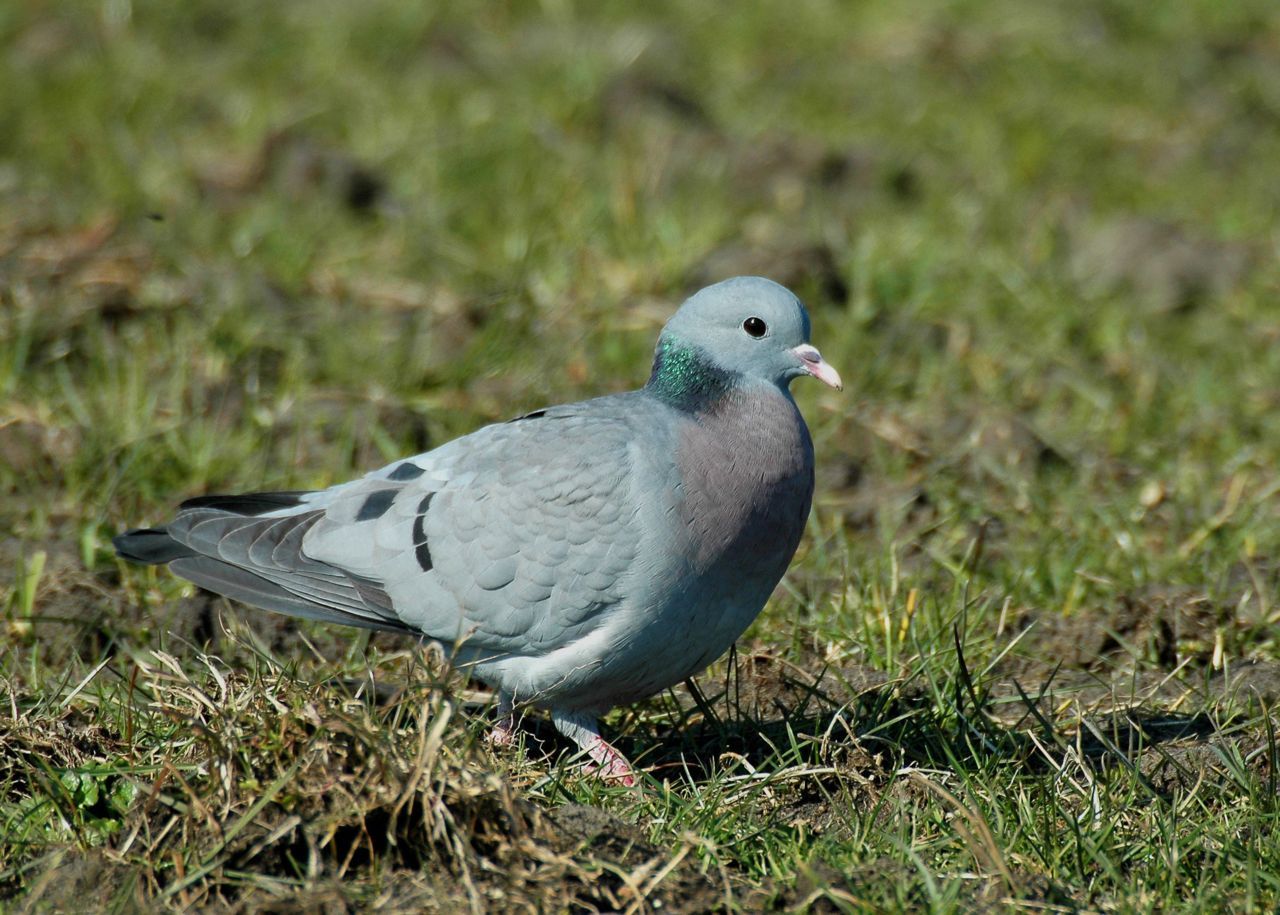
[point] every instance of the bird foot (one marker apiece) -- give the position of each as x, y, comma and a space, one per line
605, 761
502, 734
609, 764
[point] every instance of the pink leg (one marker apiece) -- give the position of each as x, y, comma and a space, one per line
606, 762
609, 764
503, 732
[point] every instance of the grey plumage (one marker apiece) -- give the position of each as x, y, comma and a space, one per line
584, 556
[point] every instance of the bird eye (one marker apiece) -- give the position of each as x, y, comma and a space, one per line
755, 327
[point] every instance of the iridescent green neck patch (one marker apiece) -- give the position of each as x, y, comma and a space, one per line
685, 377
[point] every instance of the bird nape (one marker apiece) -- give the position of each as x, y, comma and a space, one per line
590, 555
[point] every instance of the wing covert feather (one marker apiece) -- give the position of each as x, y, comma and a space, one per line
527, 530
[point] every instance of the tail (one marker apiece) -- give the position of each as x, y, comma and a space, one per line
156, 546
149, 545
249, 547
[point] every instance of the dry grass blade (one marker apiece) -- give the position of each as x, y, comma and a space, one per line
975, 831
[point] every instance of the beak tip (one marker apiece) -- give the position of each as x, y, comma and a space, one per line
819, 368
827, 375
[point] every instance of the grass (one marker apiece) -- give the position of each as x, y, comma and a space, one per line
1026, 657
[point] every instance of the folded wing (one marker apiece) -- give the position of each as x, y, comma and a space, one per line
512, 540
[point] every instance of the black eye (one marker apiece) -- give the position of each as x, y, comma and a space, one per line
755, 326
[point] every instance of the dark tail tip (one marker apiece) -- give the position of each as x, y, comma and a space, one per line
150, 545
248, 503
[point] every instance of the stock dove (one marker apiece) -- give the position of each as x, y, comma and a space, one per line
575, 558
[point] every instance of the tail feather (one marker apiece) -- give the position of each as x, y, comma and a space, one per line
248, 504
243, 585
249, 547
150, 545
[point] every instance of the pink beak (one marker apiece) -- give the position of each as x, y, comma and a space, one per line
813, 363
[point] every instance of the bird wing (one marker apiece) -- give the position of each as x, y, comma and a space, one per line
511, 540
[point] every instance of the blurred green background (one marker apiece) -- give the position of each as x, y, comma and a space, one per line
252, 245
259, 245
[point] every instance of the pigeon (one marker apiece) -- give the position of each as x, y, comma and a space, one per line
575, 558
